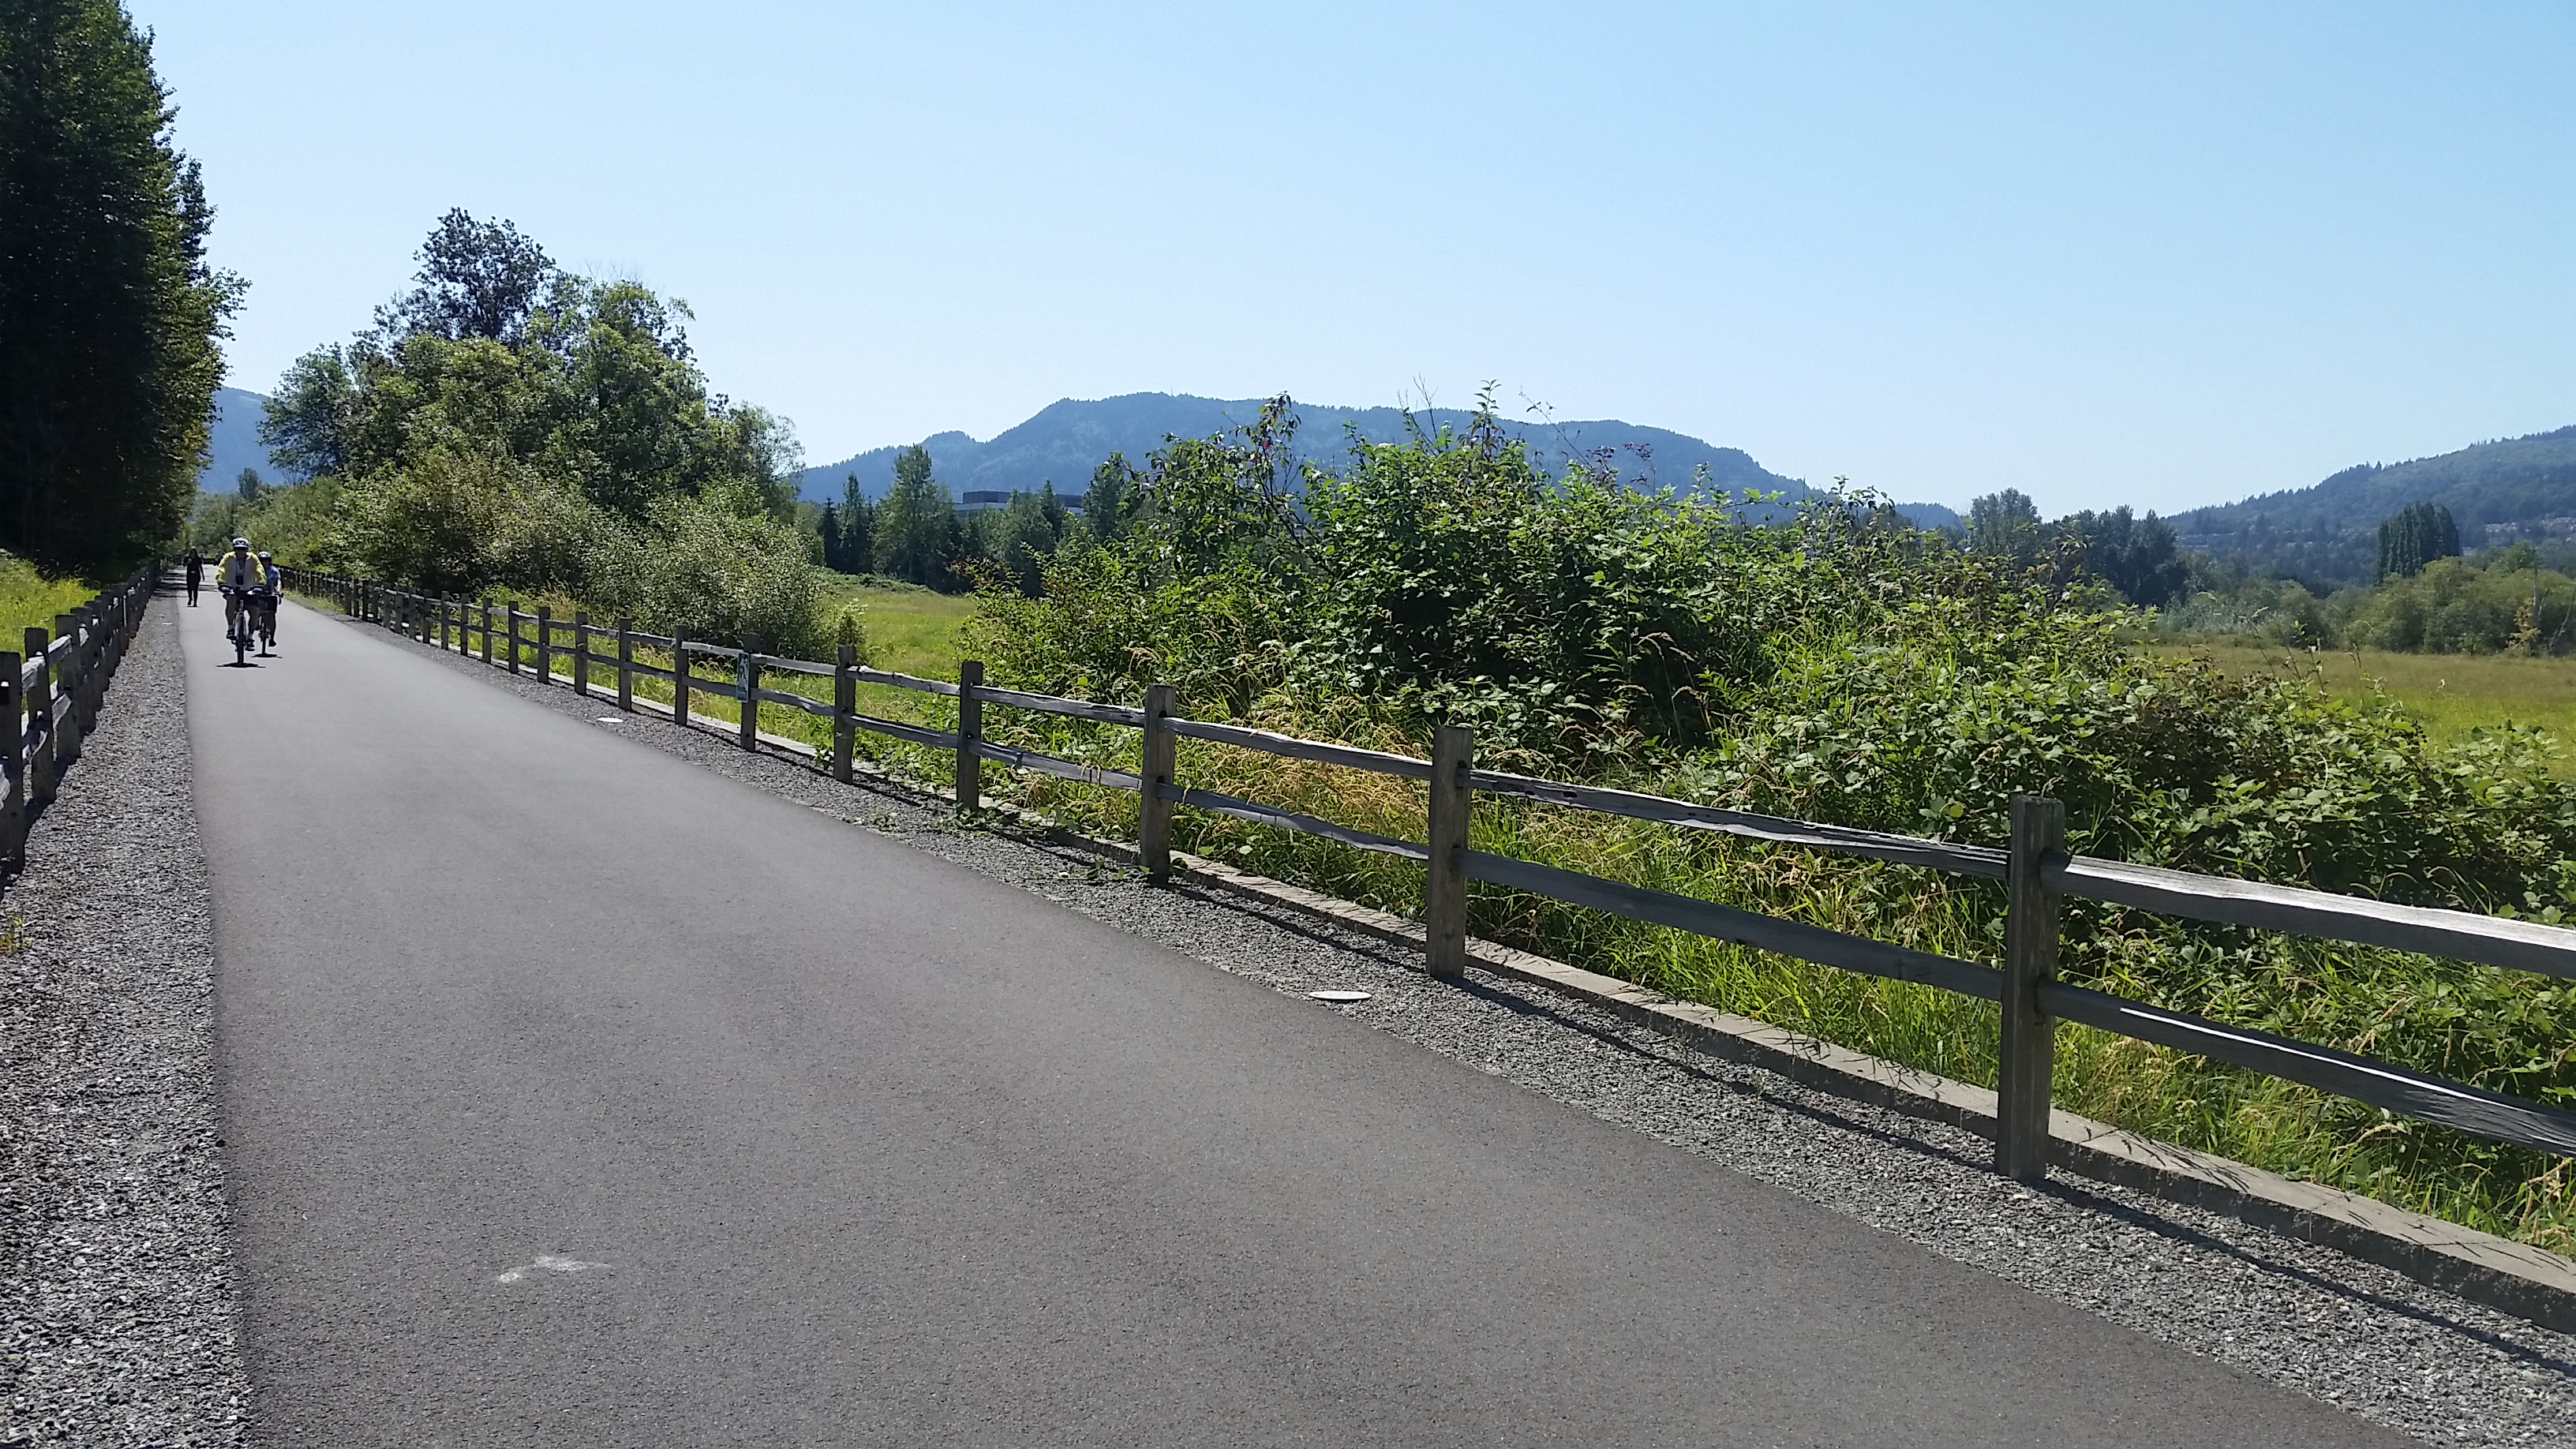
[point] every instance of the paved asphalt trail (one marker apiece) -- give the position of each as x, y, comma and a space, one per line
869, 1149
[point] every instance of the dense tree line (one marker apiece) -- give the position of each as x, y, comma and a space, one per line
508, 424
916, 534
2137, 558
109, 313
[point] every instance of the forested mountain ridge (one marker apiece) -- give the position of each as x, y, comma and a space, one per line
233, 444
2327, 534
1067, 439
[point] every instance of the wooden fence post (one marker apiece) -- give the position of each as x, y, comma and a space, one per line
970, 732
1444, 886
13, 762
679, 679
749, 676
545, 643
845, 703
2027, 1056
67, 684
510, 613
1153, 812
88, 642
487, 629
625, 664
40, 721
581, 653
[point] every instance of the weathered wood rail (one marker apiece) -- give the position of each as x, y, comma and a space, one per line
51, 694
2037, 869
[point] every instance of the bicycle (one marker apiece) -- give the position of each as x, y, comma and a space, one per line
243, 627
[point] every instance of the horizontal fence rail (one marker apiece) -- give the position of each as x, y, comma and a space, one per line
2037, 869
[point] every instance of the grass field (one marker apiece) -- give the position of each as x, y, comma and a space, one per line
2450, 694
29, 600
910, 630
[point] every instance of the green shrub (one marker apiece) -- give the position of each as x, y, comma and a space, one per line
716, 574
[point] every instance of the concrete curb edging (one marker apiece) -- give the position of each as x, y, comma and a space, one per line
2517, 1278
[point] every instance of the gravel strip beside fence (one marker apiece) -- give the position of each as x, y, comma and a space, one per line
2299, 1314
116, 1301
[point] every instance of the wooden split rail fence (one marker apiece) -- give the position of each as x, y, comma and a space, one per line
2037, 870
51, 693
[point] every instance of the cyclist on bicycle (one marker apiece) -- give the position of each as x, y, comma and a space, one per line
237, 576
275, 580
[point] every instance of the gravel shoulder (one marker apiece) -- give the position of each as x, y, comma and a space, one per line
116, 1298
2348, 1332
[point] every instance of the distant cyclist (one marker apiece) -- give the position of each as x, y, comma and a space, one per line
275, 578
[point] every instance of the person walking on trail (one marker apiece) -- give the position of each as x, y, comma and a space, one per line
196, 566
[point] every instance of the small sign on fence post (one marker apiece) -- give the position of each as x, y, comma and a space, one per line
2026, 1057
845, 702
970, 731
1153, 812
67, 687
749, 676
625, 664
581, 653
510, 616
40, 720
1444, 885
679, 679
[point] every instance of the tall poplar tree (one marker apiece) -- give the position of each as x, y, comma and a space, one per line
916, 527
109, 314
2413, 537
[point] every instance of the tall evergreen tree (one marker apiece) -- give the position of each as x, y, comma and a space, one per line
108, 312
829, 526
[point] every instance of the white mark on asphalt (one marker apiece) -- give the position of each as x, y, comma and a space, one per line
546, 1263
1340, 998
611, 719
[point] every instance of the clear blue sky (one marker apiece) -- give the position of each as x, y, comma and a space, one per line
2165, 254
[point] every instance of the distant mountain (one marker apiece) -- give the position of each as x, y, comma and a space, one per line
2328, 534
234, 443
1066, 440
